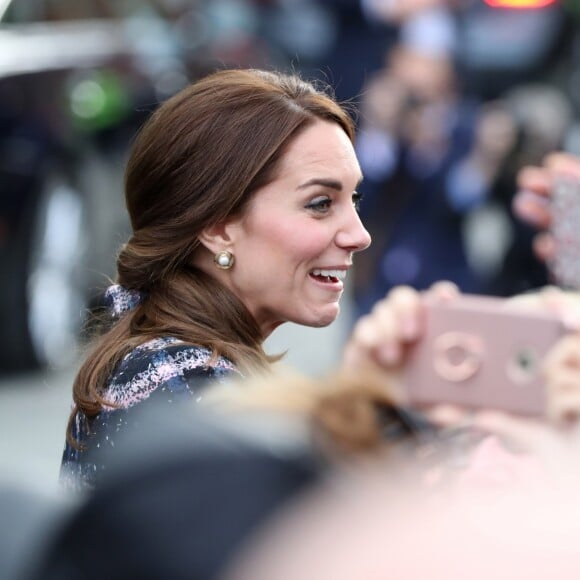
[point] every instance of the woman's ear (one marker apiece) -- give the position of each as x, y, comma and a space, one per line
219, 237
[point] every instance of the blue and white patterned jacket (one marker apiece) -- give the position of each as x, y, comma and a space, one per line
161, 371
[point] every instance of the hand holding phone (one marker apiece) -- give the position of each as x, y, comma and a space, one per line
478, 352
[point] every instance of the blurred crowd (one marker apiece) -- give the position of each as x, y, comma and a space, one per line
440, 142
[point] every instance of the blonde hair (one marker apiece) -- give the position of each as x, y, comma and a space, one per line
347, 413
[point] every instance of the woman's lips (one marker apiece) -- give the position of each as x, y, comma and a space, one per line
329, 275
327, 282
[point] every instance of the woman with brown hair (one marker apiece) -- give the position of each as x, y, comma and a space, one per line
241, 191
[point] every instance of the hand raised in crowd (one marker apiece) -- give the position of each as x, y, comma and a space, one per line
531, 203
381, 339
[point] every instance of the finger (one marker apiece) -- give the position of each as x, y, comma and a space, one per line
387, 349
365, 332
535, 179
564, 383
544, 247
445, 415
564, 409
376, 336
357, 352
443, 291
407, 310
565, 353
532, 208
561, 368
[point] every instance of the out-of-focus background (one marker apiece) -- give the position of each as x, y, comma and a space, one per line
453, 97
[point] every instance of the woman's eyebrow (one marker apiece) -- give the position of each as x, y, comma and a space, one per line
331, 183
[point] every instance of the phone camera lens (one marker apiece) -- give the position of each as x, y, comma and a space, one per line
525, 360
523, 366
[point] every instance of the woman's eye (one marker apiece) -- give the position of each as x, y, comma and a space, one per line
320, 204
356, 200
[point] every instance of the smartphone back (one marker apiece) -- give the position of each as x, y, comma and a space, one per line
564, 265
478, 352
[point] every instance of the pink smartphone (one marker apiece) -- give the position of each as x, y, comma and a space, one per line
478, 352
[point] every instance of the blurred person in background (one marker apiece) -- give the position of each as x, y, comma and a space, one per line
415, 134
241, 192
440, 147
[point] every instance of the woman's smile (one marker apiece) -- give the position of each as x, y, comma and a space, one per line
330, 278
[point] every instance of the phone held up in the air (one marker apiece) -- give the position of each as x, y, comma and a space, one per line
478, 352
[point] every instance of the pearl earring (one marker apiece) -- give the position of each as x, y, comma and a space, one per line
224, 260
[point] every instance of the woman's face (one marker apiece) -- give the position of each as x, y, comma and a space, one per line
294, 244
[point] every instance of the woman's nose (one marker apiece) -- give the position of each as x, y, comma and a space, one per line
353, 236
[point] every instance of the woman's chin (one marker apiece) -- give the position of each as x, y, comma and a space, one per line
324, 318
